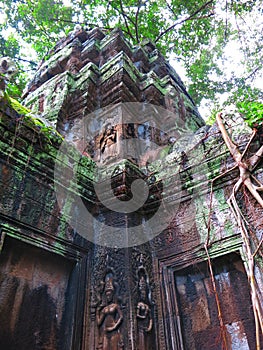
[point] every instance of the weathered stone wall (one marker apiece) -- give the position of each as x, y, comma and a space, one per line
55, 284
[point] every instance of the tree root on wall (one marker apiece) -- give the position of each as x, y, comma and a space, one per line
254, 186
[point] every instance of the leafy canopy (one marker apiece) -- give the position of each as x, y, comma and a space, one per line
252, 112
195, 33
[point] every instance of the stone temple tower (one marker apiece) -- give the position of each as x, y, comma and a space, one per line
106, 210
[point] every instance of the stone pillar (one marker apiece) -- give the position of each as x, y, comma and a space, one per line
86, 72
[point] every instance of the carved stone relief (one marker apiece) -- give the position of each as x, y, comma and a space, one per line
109, 315
143, 310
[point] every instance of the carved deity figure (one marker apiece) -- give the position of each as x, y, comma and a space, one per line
144, 318
7, 70
109, 317
109, 137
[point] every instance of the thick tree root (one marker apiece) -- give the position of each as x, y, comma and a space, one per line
245, 178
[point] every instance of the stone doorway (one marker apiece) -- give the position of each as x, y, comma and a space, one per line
197, 306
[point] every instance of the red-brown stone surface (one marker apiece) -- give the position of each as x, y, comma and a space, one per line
57, 289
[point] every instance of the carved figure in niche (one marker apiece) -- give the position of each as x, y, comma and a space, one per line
108, 138
143, 313
109, 317
130, 131
7, 70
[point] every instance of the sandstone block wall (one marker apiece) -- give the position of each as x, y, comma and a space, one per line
55, 284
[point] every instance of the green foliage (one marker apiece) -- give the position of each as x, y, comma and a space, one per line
17, 85
252, 112
39, 23
9, 46
212, 118
195, 31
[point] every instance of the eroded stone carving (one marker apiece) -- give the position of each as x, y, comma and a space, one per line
109, 316
7, 70
143, 311
108, 138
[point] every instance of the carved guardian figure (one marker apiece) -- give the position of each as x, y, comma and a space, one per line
109, 318
143, 313
7, 70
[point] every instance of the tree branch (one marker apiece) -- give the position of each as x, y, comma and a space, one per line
27, 61
136, 20
125, 17
40, 25
191, 17
253, 72
74, 22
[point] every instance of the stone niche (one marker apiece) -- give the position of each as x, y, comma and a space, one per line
34, 287
65, 290
194, 295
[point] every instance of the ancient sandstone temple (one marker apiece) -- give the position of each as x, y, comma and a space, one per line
59, 288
